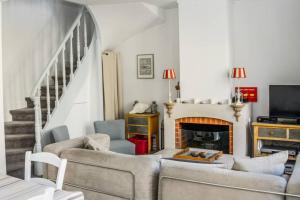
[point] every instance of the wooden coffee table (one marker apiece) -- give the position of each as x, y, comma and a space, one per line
225, 159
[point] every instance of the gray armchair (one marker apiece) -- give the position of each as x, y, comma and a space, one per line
116, 130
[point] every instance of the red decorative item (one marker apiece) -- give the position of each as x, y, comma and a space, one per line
141, 145
249, 93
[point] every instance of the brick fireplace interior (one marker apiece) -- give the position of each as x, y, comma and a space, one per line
203, 132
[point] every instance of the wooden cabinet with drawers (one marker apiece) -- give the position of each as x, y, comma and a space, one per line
274, 132
146, 125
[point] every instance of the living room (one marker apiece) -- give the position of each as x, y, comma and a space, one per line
150, 99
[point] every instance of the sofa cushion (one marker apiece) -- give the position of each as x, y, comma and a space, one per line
99, 142
60, 134
122, 146
273, 164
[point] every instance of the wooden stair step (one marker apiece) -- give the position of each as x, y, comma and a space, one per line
16, 154
30, 103
68, 68
60, 80
19, 127
15, 166
19, 141
27, 114
51, 90
16, 169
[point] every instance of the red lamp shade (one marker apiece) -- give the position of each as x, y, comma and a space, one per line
169, 74
238, 72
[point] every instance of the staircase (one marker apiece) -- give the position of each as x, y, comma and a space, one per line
24, 132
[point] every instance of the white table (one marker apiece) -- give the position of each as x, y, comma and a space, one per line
16, 189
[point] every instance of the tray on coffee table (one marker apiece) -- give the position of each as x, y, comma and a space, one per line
207, 156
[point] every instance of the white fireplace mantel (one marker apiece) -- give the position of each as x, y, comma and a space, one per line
224, 112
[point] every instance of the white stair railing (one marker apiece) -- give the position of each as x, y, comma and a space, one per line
52, 69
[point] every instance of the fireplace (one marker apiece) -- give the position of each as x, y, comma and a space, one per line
203, 132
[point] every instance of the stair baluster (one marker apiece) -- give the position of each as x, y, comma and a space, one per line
78, 44
38, 128
85, 35
48, 96
56, 83
64, 69
71, 57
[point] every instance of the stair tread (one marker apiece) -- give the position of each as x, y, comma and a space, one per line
15, 166
42, 98
19, 123
21, 136
28, 110
52, 86
17, 151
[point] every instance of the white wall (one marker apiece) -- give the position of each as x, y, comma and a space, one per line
32, 31
119, 22
204, 29
162, 41
266, 41
2, 135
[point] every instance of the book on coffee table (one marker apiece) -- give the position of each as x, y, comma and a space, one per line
207, 156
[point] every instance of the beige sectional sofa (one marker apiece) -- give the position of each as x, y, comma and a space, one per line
105, 175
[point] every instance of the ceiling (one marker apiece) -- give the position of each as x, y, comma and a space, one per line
160, 3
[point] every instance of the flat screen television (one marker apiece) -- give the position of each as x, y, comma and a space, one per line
284, 101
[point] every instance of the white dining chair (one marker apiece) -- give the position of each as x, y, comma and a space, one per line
47, 158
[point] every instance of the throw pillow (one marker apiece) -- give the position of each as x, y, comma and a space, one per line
97, 142
273, 164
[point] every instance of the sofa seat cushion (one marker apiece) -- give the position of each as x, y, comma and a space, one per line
273, 164
98, 142
122, 146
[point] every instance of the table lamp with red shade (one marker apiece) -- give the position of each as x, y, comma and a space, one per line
169, 74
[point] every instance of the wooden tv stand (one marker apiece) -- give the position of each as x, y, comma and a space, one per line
274, 132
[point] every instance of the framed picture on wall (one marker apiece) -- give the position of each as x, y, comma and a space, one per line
145, 66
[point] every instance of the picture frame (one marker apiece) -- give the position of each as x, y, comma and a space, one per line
145, 66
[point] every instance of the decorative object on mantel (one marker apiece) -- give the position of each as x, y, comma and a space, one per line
177, 88
238, 73
145, 66
169, 74
237, 107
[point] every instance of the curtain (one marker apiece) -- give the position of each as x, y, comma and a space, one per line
113, 101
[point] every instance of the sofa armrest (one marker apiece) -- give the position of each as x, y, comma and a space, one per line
293, 186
